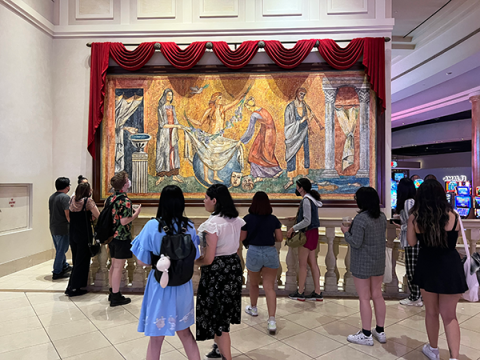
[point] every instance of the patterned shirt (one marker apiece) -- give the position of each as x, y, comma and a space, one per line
122, 208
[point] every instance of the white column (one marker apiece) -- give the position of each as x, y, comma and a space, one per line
364, 98
330, 96
139, 172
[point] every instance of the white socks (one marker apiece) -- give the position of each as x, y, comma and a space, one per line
271, 318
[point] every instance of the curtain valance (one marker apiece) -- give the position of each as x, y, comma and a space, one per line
372, 49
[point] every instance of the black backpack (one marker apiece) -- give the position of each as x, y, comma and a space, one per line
182, 252
105, 228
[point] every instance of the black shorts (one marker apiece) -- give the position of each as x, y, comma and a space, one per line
120, 249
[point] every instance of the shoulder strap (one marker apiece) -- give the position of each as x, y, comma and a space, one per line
164, 226
464, 237
455, 223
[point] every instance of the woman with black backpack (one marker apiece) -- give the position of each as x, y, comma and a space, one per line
169, 310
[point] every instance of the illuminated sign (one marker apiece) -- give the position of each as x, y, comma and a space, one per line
394, 164
455, 178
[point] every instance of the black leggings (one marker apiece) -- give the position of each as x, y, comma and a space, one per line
81, 263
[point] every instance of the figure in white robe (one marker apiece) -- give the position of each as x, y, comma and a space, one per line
168, 160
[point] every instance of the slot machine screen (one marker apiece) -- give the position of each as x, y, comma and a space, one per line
477, 202
463, 212
393, 192
463, 202
399, 176
451, 185
417, 183
477, 213
463, 190
449, 197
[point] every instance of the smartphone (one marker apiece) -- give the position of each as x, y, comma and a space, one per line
396, 221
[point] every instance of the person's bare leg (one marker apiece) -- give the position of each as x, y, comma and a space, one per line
224, 345
215, 176
312, 262
432, 311
205, 174
116, 274
448, 311
302, 268
160, 179
378, 300
254, 282
363, 290
154, 347
269, 278
189, 344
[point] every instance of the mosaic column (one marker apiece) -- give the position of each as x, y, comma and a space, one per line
330, 96
364, 98
139, 172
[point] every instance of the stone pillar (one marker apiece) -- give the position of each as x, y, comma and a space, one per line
331, 281
364, 99
475, 100
139, 172
330, 96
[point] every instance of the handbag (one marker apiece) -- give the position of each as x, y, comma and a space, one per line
387, 275
93, 244
472, 281
297, 240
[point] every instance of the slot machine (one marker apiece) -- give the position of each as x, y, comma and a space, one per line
463, 201
476, 202
450, 188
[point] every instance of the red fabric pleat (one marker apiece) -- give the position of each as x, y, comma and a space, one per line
288, 58
374, 62
98, 74
372, 49
132, 60
338, 57
183, 59
235, 59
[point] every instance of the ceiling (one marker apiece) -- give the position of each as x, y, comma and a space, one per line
440, 70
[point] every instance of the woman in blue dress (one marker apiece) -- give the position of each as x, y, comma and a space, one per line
169, 310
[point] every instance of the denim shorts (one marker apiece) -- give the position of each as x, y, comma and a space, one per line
260, 256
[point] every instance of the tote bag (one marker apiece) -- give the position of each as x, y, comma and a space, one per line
472, 281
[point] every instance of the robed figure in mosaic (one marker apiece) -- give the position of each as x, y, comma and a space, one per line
168, 159
262, 159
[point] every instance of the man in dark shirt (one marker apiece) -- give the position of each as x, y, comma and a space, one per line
58, 205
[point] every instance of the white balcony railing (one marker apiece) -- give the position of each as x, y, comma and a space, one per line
333, 254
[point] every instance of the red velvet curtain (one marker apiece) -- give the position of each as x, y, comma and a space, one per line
128, 60
372, 49
288, 58
238, 58
183, 59
98, 74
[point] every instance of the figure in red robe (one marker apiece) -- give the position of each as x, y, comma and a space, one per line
263, 163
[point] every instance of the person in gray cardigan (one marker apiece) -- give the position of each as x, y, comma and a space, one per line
366, 237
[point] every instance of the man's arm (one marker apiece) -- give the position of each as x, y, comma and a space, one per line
67, 215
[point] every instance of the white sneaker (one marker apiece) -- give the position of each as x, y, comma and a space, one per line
360, 338
272, 327
409, 302
251, 310
431, 353
381, 337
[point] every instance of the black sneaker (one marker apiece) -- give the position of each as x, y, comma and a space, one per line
214, 354
109, 294
118, 299
75, 292
68, 269
62, 275
297, 296
315, 297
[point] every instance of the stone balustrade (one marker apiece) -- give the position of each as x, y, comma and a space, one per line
331, 246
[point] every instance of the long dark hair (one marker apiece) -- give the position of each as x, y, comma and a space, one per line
260, 204
368, 200
171, 207
224, 205
306, 185
405, 190
82, 191
431, 213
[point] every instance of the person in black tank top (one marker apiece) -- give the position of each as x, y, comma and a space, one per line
439, 271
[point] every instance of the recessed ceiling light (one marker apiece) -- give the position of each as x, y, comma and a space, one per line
449, 73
